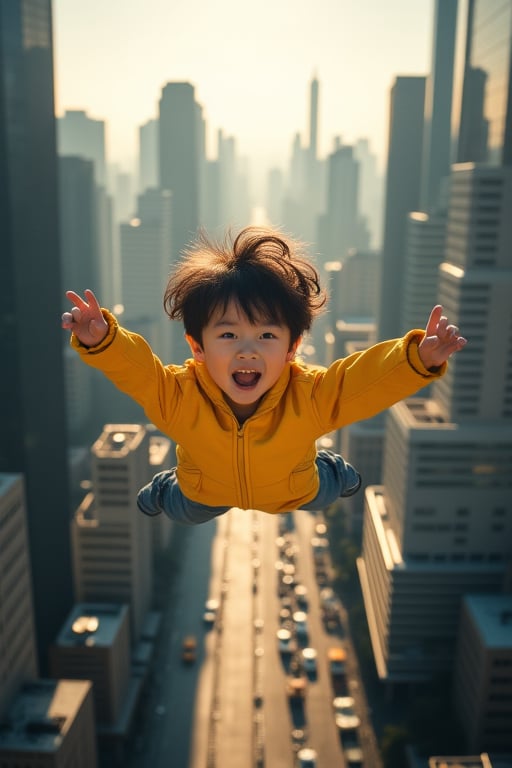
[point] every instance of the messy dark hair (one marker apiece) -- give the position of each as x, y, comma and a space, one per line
261, 270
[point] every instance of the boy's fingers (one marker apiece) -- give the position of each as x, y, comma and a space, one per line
433, 320
91, 298
75, 298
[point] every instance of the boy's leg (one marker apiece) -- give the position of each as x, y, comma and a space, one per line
163, 495
337, 478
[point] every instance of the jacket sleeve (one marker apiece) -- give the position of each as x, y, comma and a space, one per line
367, 382
129, 362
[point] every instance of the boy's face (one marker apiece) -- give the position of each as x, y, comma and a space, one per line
244, 360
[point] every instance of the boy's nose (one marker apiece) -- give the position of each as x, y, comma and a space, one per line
247, 352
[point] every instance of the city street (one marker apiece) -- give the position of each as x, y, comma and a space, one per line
229, 708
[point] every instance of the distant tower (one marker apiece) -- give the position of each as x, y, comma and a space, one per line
179, 173
33, 439
371, 191
313, 120
78, 224
313, 196
402, 195
179, 161
148, 155
438, 105
342, 217
81, 136
145, 247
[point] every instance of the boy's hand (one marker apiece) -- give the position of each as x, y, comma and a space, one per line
85, 319
441, 340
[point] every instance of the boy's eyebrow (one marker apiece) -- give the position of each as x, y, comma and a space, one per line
230, 322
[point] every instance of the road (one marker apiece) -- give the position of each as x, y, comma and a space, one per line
230, 708
233, 726
164, 732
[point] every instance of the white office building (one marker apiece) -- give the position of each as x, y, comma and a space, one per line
440, 525
112, 539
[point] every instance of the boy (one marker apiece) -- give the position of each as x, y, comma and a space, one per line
245, 415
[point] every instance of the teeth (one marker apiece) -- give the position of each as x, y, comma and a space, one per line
246, 370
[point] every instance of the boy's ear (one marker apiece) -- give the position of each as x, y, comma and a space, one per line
293, 349
196, 348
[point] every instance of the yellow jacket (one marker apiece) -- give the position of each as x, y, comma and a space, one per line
268, 462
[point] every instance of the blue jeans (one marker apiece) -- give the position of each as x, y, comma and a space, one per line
163, 494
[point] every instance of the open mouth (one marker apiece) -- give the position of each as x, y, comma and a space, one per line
246, 378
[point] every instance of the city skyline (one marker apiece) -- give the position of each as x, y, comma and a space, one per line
358, 52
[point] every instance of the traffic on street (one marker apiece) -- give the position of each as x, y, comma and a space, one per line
259, 670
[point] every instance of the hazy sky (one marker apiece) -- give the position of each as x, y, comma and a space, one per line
250, 62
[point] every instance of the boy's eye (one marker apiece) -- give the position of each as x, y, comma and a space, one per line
268, 335
227, 335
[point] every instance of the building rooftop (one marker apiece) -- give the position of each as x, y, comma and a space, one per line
118, 440
92, 625
492, 615
41, 715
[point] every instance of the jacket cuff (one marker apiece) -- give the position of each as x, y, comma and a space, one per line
413, 339
105, 343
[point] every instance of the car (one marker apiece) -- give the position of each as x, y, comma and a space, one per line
296, 687
189, 649
299, 736
211, 607
309, 656
344, 713
307, 758
337, 658
301, 623
301, 595
285, 641
353, 757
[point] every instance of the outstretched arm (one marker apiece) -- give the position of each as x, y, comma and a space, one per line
85, 319
441, 340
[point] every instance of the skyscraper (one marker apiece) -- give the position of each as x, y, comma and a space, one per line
78, 224
178, 160
32, 407
148, 155
112, 550
440, 526
438, 104
145, 246
403, 182
17, 637
485, 131
341, 221
81, 136
179, 173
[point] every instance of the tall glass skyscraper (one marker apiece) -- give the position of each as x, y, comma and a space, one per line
486, 114
32, 408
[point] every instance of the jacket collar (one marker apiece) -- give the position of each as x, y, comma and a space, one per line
214, 392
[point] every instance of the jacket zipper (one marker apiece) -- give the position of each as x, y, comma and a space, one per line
240, 462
